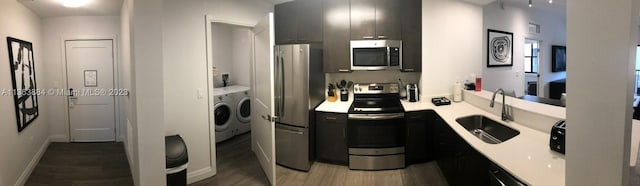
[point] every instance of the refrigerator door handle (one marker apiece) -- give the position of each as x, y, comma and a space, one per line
282, 88
277, 77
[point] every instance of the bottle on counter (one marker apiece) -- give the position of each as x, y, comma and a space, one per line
457, 92
478, 83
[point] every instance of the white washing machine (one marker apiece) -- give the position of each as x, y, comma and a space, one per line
243, 112
224, 113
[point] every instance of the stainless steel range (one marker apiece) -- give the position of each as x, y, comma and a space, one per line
376, 128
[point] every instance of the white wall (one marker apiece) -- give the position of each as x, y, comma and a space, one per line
599, 139
20, 151
147, 95
222, 41
185, 69
451, 43
232, 53
54, 30
515, 18
242, 55
125, 78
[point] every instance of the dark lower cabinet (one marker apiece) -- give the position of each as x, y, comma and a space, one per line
331, 141
419, 139
460, 163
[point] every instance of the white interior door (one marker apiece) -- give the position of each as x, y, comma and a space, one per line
90, 75
263, 125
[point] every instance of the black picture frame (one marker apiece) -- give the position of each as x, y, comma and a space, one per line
23, 80
558, 58
499, 48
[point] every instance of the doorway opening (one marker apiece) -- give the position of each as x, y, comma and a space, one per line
230, 49
531, 66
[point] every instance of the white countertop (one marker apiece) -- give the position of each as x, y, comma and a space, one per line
229, 90
526, 156
336, 106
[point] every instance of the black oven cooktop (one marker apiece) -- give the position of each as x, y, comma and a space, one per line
376, 98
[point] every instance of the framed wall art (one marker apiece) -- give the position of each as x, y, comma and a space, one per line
499, 48
23, 79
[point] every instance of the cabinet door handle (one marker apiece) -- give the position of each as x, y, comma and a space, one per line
408, 70
344, 70
382, 37
367, 37
331, 118
344, 132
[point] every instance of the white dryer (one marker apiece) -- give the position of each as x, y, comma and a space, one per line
243, 111
224, 115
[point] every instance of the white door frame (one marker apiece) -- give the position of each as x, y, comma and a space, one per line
209, 19
116, 59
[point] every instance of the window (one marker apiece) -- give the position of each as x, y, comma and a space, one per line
531, 57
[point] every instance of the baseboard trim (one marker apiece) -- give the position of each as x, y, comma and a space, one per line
199, 175
34, 162
58, 138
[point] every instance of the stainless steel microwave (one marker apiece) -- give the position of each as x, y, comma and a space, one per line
376, 54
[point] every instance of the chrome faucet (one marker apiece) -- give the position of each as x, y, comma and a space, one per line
505, 111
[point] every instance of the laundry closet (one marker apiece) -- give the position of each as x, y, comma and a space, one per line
231, 57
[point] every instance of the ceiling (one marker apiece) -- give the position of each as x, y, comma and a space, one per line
54, 8
558, 7
275, 2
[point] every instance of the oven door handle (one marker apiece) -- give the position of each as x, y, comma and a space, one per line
376, 116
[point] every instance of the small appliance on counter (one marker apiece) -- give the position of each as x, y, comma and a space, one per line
557, 138
412, 92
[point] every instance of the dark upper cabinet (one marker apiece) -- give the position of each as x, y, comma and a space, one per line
298, 22
388, 22
375, 19
411, 35
331, 141
285, 22
336, 49
363, 19
310, 21
419, 139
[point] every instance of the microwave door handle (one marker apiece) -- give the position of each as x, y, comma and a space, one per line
388, 56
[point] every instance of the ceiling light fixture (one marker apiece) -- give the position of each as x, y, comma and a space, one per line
550, 1
74, 3
530, 3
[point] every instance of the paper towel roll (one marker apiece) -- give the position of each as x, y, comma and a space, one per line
457, 92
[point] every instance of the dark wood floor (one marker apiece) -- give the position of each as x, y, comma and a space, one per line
237, 164
82, 164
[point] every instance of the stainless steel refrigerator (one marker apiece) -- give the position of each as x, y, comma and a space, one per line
299, 89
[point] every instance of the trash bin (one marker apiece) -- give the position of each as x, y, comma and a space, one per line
177, 159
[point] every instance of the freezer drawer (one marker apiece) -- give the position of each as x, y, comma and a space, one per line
292, 147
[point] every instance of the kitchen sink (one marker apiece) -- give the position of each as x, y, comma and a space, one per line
486, 129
